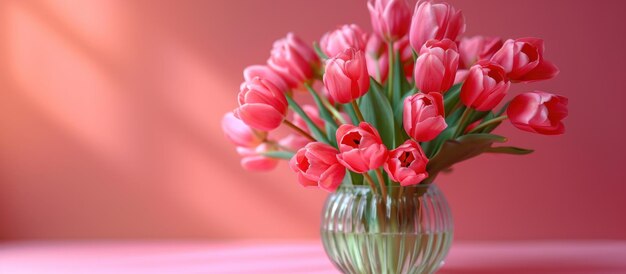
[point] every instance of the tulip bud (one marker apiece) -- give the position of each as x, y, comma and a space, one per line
474, 49
407, 164
436, 66
390, 18
266, 73
485, 86
377, 57
522, 60
361, 148
316, 165
346, 76
294, 60
262, 106
239, 133
343, 38
435, 21
423, 116
254, 160
538, 112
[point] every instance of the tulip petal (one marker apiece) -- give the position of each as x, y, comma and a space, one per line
429, 128
543, 71
332, 178
305, 182
238, 132
260, 116
413, 179
258, 163
353, 160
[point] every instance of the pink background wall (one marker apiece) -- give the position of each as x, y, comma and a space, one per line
110, 111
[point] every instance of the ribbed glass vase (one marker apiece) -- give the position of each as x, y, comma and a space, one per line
409, 230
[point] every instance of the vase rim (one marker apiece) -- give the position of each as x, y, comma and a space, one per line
418, 186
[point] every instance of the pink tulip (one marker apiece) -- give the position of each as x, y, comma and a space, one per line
361, 148
390, 18
346, 76
423, 116
253, 159
239, 133
538, 112
435, 21
407, 164
313, 113
485, 87
377, 57
262, 106
343, 38
294, 60
474, 49
316, 165
293, 142
436, 66
266, 73
522, 60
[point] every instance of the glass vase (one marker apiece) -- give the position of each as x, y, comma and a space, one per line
408, 230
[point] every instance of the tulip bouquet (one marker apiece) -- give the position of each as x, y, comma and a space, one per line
397, 106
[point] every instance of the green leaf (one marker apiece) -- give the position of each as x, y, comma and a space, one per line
279, 154
317, 132
499, 113
377, 111
503, 109
509, 150
400, 89
324, 113
350, 111
331, 124
453, 119
461, 149
478, 115
452, 98
481, 137
432, 147
398, 111
489, 116
400, 86
319, 51
355, 178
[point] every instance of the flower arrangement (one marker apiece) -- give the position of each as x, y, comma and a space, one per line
396, 106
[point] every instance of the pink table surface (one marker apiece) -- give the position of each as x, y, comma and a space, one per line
293, 257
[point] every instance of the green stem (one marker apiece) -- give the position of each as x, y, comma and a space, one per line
454, 108
357, 110
382, 183
317, 132
370, 181
390, 74
327, 104
463, 122
299, 130
488, 123
380, 206
334, 111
